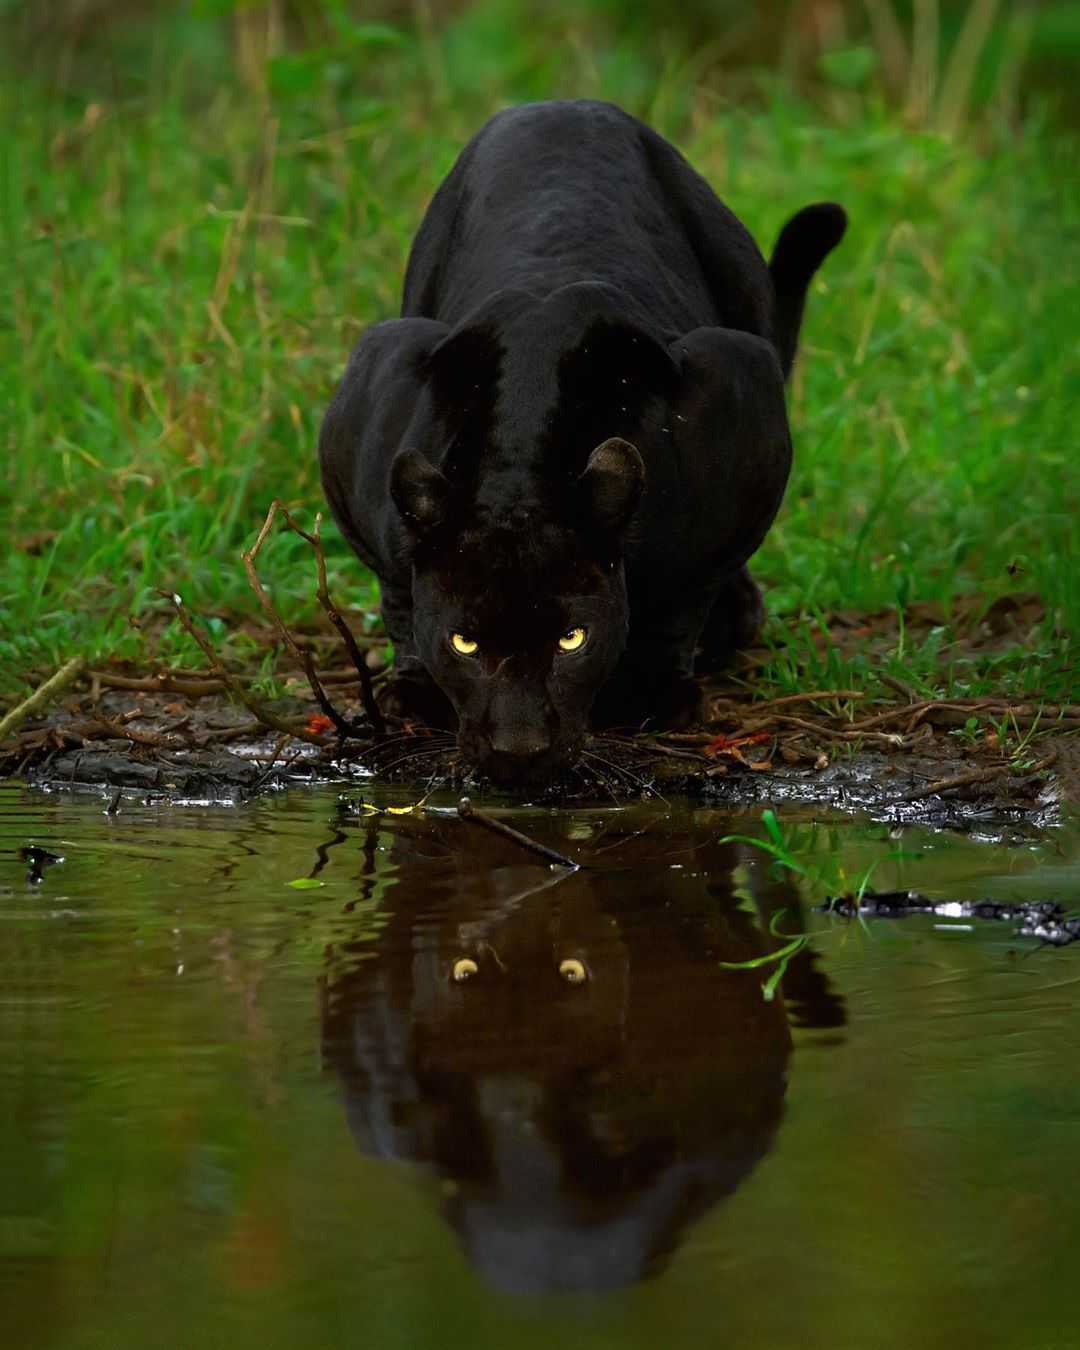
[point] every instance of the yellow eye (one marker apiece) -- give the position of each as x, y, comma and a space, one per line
462, 645
572, 641
572, 971
464, 969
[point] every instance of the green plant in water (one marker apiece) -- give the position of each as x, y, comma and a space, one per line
781, 956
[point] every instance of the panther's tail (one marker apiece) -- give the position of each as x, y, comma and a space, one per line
804, 243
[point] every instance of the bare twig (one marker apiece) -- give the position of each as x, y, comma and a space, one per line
889, 738
162, 683
813, 696
279, 746
42, 696
367, 692
118, 731
307, 661
261, 714
467, 811
905, 710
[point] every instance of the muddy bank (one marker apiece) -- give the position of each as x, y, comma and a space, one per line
186, 743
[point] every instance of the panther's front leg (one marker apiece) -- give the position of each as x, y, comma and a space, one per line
653, 685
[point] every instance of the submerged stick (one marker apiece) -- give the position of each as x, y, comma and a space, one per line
467, 811
42, 696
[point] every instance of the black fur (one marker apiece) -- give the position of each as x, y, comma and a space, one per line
578, 422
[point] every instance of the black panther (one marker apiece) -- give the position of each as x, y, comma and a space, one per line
560, 458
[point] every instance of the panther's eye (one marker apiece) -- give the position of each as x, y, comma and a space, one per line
573, 640
462, 645
573, 971
464, 968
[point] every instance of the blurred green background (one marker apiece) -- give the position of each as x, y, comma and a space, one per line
203, 204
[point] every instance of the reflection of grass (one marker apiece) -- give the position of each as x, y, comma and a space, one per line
825, 877
796, 852
186, 274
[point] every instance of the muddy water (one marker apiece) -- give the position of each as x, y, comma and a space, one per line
234, 1112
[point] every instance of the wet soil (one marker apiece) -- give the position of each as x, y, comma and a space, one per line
188, 743
178, 735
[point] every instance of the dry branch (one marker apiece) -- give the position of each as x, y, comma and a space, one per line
162, 683
367, 691
467, 811
812, 696
261, 714
307, 661
42, 696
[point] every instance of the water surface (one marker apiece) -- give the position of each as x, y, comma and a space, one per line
238, 1113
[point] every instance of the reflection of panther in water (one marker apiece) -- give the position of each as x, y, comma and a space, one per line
569, 1055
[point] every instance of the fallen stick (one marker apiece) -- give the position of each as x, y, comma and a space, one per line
910, 710
164, 683
973, 776
813, 696
332, 677
42, 696
467, 811
344, 729
105, 728
1024, 709
322, 594
261, 714
890, 738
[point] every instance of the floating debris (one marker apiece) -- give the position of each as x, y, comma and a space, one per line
1047, 920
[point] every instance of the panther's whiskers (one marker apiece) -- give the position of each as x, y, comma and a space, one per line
423, 752
626, 773
593, 777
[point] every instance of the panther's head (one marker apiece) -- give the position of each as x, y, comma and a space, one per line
519, 610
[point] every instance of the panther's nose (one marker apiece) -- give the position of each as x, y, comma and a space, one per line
516, 757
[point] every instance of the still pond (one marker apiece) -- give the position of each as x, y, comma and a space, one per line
444, 1094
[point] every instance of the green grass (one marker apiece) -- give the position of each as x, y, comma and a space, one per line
188, 266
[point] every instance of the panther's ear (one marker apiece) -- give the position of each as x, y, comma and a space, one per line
421, 492
613, 482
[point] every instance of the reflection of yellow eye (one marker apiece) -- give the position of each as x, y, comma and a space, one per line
573, 972
462, 645
572, 640
464, 969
